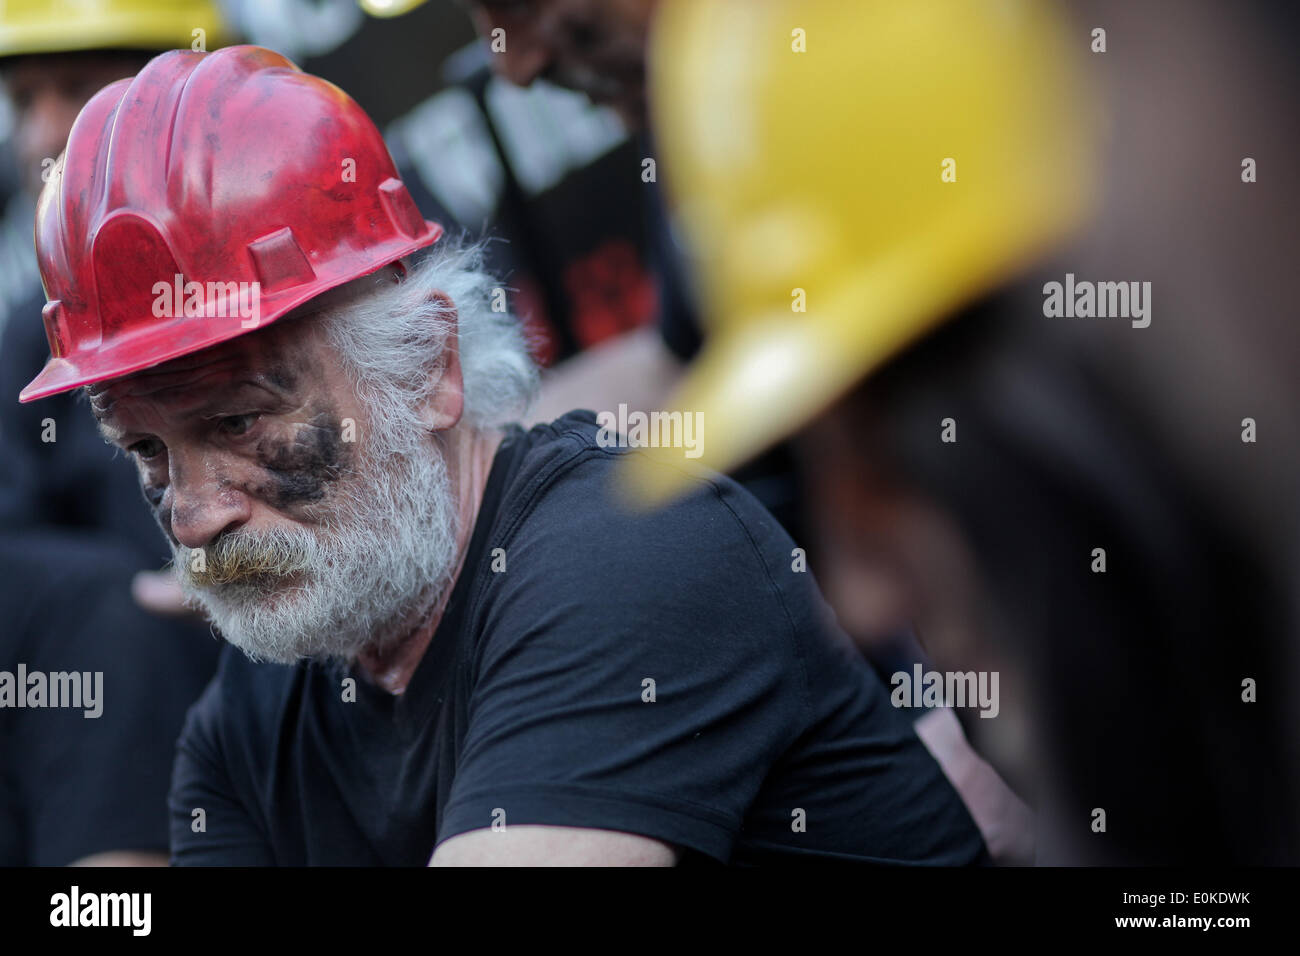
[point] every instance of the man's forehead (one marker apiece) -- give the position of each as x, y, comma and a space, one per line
275, 357
260, 358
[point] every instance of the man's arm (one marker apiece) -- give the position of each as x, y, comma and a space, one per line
553, 846
122, 858
1005, 821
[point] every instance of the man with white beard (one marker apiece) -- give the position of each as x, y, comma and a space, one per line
456, 646
359, 576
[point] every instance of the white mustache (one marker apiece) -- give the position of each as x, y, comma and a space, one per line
246, 558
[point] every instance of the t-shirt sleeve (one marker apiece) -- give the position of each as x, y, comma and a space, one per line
634, 674
210, 825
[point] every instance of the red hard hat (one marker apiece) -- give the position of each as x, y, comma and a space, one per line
225, 167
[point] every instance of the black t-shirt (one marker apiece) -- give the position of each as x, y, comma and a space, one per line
767, 737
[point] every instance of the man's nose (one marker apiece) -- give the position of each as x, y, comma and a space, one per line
204, 505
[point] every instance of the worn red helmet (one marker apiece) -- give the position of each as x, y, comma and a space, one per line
209, 181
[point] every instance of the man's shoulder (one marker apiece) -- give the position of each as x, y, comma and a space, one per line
571, 470
566, 531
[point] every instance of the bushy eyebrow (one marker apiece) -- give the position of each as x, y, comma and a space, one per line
278, 387
110, 434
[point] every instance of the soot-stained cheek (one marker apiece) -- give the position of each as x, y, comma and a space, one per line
299, 469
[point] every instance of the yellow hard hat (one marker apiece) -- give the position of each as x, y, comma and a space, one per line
389, 8
847, 174
59, 26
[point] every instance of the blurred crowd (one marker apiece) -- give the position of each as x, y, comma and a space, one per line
1101, 512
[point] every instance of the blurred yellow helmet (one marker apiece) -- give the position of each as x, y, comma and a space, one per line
847, 174
389, 8
59, 26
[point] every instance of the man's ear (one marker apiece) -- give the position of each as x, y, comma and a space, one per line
444, 406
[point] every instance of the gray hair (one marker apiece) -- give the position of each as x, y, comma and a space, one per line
389, 338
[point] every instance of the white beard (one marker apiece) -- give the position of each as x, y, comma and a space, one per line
385, 555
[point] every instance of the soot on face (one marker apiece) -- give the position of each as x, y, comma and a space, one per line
300, 470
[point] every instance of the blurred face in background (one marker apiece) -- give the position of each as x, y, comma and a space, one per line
47, 91
596, 47
889, 559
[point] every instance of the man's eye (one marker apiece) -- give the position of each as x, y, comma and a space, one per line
148, 448
237, 424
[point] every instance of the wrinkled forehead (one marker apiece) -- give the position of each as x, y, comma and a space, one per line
277, 359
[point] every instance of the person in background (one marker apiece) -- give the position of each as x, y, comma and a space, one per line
595, 48
72, 532
1093, 498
